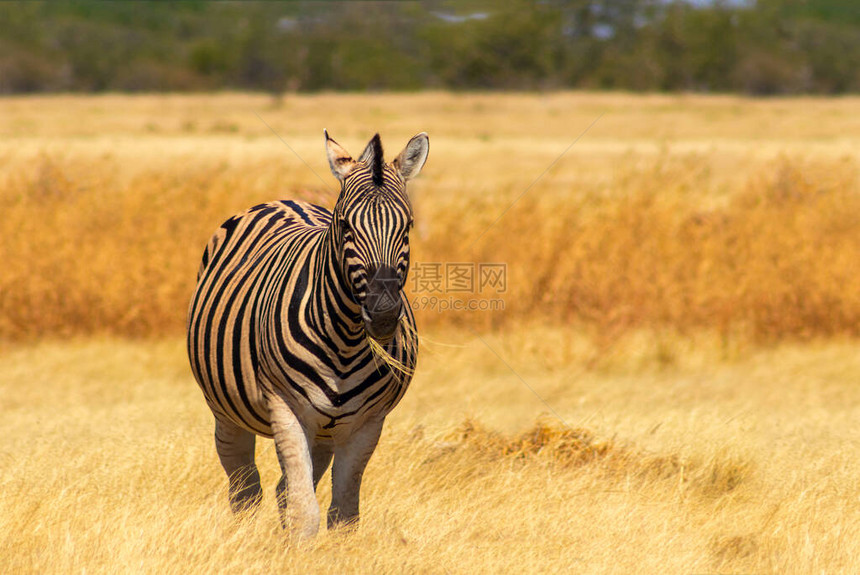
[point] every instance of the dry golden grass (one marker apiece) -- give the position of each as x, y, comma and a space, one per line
698, 465
728, 214
671, 387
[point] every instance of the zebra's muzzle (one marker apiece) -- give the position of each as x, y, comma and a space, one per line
383, 306
381, 313
382, 325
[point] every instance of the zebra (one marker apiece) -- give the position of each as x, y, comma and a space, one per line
299, 330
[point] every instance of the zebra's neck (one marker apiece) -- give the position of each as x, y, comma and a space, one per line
333, 309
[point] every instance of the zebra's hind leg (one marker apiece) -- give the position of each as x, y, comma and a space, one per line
350, 459
235, 448
321, 455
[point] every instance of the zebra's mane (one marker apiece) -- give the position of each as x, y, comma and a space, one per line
373, 155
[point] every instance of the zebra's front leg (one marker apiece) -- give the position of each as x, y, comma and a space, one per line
320, 457
350, 459
235, 448
296, 499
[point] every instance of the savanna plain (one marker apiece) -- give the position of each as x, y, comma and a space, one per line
666, 383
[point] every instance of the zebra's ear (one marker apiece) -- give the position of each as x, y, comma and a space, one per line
339, 159
412, 158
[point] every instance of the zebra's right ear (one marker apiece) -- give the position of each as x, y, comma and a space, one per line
339, 159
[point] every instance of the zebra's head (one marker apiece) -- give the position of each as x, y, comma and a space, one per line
371, 223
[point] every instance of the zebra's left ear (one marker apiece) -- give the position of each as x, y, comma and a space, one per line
339, 160
410, 161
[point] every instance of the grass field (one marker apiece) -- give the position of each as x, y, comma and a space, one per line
671, 387
705, 466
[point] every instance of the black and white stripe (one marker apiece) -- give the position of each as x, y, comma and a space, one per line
279, 328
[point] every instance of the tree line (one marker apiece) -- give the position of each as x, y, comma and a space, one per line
747, 46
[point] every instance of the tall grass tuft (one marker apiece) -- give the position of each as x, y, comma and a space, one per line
86, 250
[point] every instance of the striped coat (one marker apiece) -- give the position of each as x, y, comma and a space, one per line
299, 330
